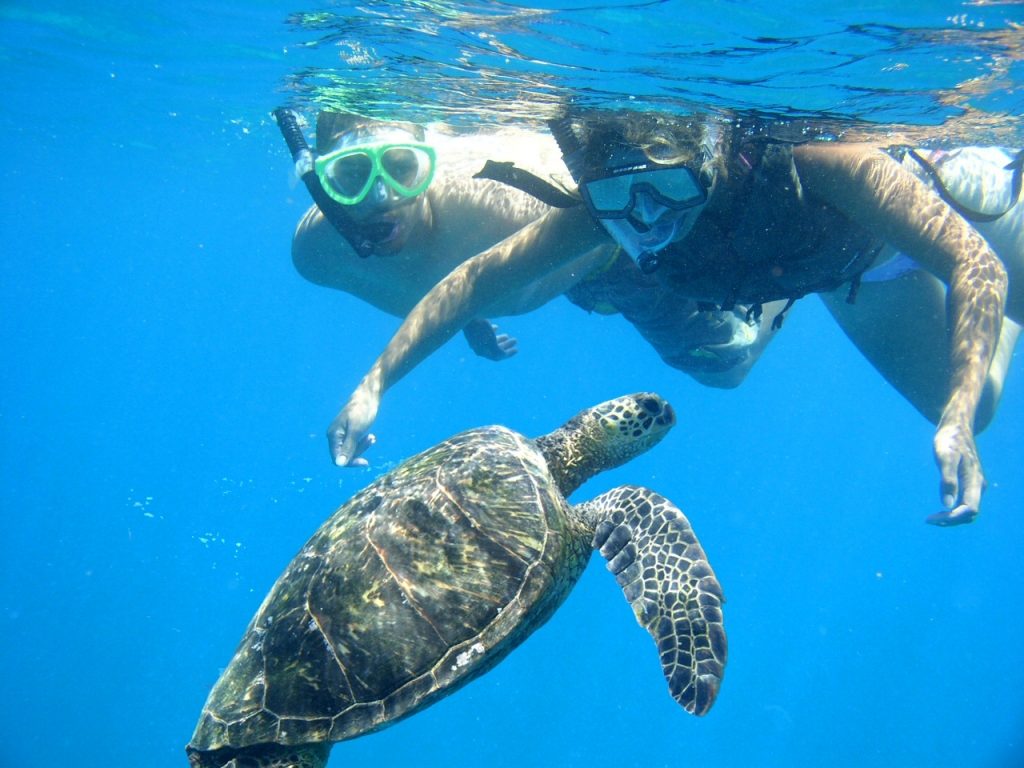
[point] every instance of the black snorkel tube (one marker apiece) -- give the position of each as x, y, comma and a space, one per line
333, 211
569, 144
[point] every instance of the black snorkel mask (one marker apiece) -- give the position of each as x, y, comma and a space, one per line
614, 179
333, 211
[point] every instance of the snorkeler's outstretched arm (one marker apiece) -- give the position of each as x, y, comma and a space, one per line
491, 280
875, 191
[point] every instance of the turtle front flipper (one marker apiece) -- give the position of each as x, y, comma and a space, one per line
663, 571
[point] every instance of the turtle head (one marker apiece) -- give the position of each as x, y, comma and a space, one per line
605, 436
261, 756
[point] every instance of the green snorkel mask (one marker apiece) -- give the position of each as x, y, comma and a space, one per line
348, 173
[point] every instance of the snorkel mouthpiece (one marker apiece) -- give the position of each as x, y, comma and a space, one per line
647, 262
379, 232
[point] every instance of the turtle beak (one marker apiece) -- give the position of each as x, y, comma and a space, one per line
668, 416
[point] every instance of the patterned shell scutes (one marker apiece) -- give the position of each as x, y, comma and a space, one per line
417, 585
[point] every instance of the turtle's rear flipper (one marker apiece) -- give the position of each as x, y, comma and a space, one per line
662, 568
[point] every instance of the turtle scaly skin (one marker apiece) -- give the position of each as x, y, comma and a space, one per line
664, 573
432, 574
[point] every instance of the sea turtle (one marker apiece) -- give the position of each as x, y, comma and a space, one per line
432, 574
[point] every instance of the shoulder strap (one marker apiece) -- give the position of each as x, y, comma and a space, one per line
1016, 165
527, 182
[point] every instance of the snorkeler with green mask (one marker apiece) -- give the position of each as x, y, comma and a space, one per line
389, 220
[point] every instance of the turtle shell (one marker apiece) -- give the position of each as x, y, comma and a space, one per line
420, 583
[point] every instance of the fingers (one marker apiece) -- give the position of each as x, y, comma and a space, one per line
485, 341
958, 516
364, 444
972, 484
507, 345
349, 435
949, 452
345, 453
961, 479
347, 442
948, 459
501, 346
340, 445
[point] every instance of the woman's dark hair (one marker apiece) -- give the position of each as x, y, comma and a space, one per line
695, 140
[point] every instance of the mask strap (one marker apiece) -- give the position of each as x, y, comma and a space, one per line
969, 213
527, 182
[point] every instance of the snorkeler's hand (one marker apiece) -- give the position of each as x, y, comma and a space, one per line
349, 434
484, 339
962, 478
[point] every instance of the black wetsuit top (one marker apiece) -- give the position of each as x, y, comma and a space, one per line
768, 240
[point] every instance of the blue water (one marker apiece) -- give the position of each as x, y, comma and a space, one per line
168, 377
